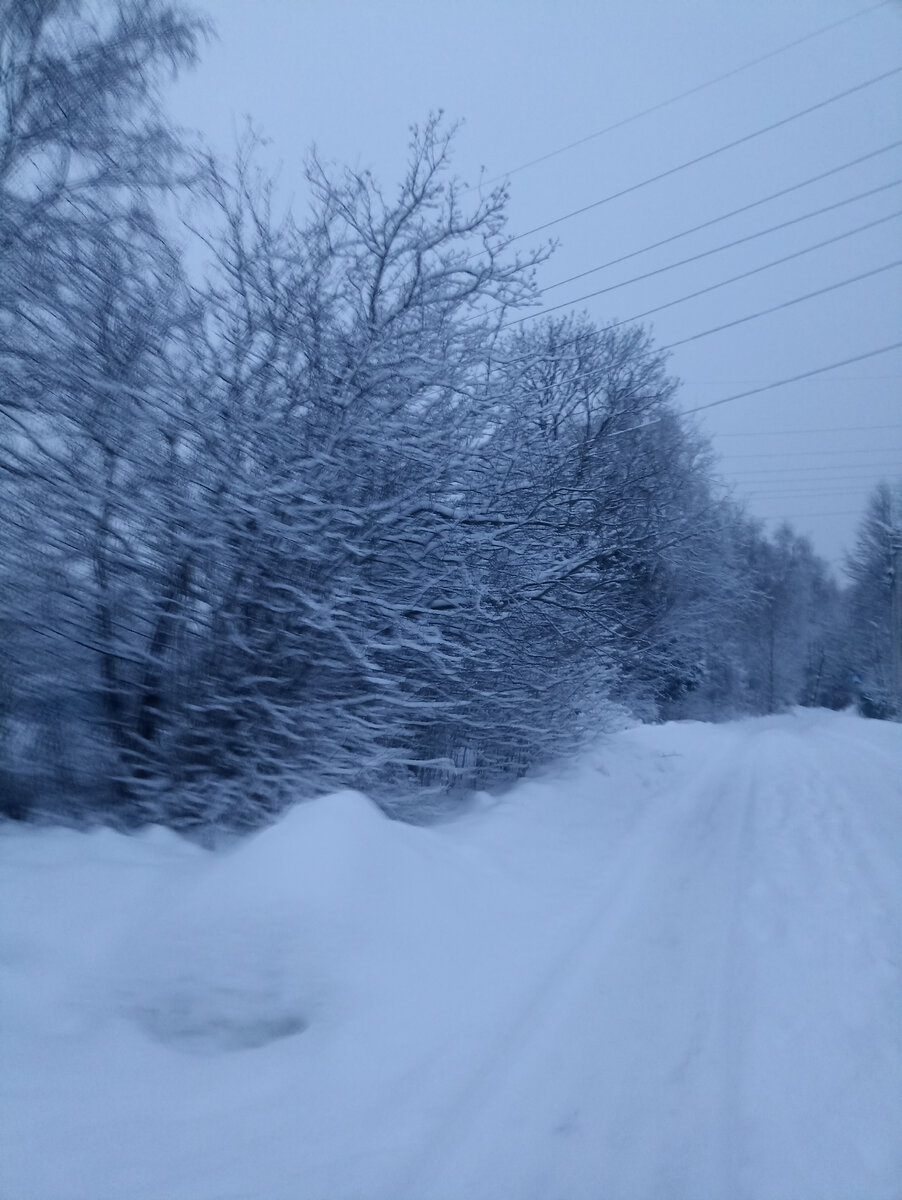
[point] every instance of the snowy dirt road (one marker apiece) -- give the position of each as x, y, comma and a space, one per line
672, 971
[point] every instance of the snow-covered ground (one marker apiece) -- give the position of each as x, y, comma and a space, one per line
672, 971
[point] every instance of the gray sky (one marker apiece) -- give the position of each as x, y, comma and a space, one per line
531, 76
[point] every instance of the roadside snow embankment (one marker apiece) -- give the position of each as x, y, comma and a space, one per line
252, 946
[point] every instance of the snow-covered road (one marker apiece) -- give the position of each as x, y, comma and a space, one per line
671, 971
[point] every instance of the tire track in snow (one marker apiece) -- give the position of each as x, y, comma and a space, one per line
820, 1076
569, 982
737, 985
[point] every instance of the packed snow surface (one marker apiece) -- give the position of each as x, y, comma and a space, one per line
669, 971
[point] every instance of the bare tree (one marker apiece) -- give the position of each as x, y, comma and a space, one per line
86, 282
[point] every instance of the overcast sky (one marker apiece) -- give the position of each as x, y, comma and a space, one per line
528, 77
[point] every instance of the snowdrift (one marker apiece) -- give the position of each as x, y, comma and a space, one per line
246, 950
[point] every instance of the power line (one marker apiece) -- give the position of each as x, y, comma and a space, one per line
809, 453
781, 498
768, 387
777, 502
830, 287
837, 379
725, 216
778, 383
803, 495
844, 489
750, 317
700, 87
774, 497
775, 263
816, 429
716, 250
809, 486
833, 470
709, 154
815, 476
854, 512
530, 360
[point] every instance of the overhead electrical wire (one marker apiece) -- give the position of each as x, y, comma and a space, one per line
764, 312
849, 512
709, 154
692, 91
744, 139
767, 387
764, 491
815, 453
749, 237
849, 493
788, 476
766, 266
759, 499
859, 495
836, 379
781, 498
776, 262
815, 429
778, 383
613, 262
822, 291
852, 485
846, 492
803, 495
830, 481
781, 472
779, 501
834, 470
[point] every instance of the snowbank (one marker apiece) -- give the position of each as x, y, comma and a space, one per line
259, 943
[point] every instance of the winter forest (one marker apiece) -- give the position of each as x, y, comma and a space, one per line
293, 500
